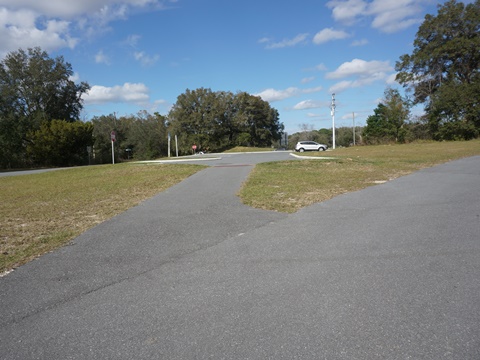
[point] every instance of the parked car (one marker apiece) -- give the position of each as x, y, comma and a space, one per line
310, 146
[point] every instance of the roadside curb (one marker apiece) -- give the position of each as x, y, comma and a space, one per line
312, 157
175, 160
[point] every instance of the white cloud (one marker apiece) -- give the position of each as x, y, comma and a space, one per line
101, 58
387, 15
19, 29
132, 40
363, 73
391, 79
161, 102
277, 95
392, 16
341, 86
361, 42
285, 42
127, 93
309, 104
161, 105
308, 80
73, 8
347, 11
272, 95
329, 34
348, 84
51, 24
75, 77
144, 59
358, 67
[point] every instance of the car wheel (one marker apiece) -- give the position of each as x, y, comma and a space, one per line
301, 150
321, 149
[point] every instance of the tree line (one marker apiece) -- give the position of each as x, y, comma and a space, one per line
40, 106
442, 74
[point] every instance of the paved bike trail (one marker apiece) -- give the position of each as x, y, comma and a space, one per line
388, 272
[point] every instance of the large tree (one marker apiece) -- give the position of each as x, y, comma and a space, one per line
142, 136
443, 70
146, 137
257, 123
61, 143
219, 120
34, 88
389, 119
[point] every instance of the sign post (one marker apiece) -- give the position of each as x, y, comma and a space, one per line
112, 137
333, 120
176, 145
194, 148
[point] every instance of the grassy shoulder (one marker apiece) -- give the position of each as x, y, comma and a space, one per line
41, 212
247, 149
292, 185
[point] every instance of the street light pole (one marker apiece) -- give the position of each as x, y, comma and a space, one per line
333, 120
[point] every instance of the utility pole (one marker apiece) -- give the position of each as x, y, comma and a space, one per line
113, 136
333, 120
353, 115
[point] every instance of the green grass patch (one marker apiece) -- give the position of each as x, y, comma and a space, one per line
41, 212
247, 149
292, 185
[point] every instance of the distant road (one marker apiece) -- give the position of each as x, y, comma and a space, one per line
28, 172
206, 159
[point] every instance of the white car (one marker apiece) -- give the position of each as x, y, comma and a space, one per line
310, 146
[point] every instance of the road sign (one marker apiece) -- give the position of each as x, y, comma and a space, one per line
112, 136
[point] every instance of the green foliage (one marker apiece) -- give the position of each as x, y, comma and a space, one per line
377, 128
459, 130
102, 128
219, 120
322, 136
343, 136
144, 135
34, 88
443, 70
12, 142
389, 120
60, 143
147, 136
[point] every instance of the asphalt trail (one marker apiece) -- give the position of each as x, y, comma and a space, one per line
389, 272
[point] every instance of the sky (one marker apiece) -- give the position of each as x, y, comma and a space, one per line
142, 54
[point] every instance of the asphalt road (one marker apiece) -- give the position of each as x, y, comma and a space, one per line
389, 272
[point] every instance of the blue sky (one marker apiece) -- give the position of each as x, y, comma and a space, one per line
141, 54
